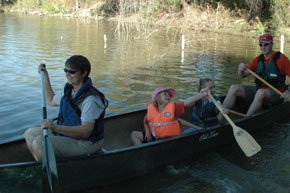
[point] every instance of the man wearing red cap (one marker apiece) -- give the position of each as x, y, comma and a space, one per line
270, 65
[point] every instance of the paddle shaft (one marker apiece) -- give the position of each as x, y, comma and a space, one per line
265, 82
236, 113
188, 124
221, 110
43, 97
48, 152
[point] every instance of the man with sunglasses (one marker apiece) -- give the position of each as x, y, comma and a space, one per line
270, 65
79, 129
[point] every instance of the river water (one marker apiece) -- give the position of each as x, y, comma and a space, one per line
126, 66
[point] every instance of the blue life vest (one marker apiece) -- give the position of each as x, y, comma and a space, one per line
204, 113
270, 72
70, 114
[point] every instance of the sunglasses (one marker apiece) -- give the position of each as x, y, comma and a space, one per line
263, 44
69, 71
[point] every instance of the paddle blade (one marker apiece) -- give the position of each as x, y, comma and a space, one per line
247, 143
49, 164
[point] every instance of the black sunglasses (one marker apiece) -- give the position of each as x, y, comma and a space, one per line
69, 71
263, 44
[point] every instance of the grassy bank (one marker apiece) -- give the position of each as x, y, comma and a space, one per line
250, 17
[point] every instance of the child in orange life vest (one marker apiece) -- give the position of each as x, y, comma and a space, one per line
161, 118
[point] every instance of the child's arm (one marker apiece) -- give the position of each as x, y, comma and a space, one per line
189, 102
148, 136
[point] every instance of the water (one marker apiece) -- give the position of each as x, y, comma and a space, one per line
127, 68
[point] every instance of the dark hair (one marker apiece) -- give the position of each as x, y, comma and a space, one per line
202, 81
79, 62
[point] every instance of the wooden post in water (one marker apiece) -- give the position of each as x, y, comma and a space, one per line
182, 47
282, 51
78, 5
105, 41
282, 44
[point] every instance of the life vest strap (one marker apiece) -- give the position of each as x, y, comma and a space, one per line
162, 124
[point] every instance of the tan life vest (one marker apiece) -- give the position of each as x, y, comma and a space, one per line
163, 124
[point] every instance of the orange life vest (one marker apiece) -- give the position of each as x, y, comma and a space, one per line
163, 124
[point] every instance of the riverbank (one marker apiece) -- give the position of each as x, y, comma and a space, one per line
188, 19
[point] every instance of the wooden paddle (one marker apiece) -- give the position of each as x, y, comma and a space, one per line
236, 113
49, 168
265, 82
188, 124
246, 142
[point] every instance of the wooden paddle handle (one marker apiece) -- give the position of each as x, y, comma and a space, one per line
188, 124
265, 82
221, 110
236, 113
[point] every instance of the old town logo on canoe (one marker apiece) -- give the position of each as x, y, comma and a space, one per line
208, 135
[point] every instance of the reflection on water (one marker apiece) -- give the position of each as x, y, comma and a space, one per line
127, 70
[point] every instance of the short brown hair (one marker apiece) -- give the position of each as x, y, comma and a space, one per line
202, 81
79, 62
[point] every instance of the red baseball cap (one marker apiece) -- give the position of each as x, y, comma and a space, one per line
266, 38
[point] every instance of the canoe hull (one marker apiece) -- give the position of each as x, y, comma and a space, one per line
119, 161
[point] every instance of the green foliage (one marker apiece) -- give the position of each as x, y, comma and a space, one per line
176, 4
48, 6
53, 8
156, 8
240, 4
280, 13
260, 26
262, 14
28, 3
150, 10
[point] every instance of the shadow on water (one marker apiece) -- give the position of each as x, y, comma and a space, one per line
26, 182
225, 170
210, 173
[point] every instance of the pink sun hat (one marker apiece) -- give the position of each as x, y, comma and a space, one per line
266, 38
158, 90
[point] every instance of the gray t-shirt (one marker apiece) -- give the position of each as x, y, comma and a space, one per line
91, 107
